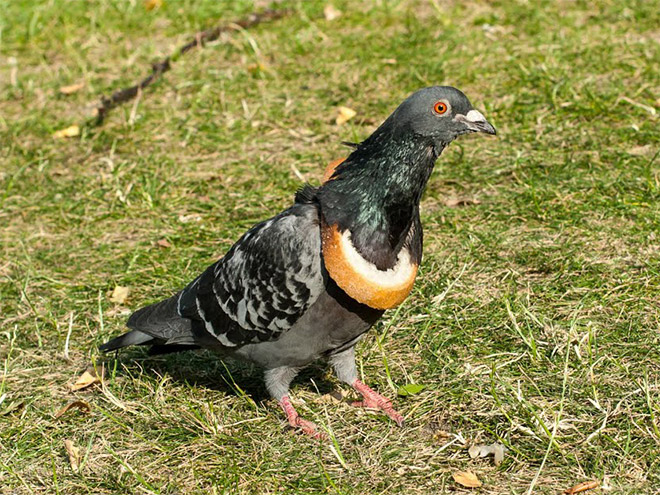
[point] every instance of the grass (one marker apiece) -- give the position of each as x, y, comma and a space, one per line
535, 319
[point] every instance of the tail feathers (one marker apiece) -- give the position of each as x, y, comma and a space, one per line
134, 337
162, 321
159, 319
158, 325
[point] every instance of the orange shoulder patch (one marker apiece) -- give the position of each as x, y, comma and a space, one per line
330, 169
380, 289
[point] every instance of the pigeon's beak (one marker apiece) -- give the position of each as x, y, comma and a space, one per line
476, 122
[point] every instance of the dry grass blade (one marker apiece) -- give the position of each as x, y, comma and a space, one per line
73, 453
72, 88
582, 487
12, 407
83, 406
454, 202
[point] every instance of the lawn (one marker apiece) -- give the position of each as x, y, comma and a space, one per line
535, 320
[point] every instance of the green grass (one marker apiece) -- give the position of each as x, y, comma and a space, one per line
535, 320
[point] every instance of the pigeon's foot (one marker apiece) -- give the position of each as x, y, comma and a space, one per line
298, 423
373, 400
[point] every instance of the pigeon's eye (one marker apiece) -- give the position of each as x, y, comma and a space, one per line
440, 107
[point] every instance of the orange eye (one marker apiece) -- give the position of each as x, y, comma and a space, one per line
440, 107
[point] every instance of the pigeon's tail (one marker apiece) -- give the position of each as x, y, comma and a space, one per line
161, 319
158, 325
134, 337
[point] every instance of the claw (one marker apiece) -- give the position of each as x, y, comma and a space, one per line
373, 400
295, 421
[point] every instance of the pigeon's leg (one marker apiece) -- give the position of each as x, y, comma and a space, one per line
344, 364
373, 400
277, 383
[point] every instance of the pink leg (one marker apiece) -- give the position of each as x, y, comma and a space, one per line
373, 400
307, 427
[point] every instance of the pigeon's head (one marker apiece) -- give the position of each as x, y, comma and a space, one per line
441, 113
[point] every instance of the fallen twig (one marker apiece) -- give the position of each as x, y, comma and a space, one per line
159, 68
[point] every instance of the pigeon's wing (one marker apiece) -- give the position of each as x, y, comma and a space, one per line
264, 283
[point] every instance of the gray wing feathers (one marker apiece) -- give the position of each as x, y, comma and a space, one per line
273, 274
265, 282
257, 291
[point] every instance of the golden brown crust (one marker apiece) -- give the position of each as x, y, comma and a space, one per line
354, 283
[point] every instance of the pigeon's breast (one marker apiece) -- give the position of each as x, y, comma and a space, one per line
361, 279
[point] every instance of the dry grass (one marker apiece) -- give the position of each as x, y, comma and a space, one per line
534, 322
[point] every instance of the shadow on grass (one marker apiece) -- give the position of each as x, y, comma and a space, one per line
204, 369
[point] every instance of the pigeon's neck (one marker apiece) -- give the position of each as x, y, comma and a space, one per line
376, 192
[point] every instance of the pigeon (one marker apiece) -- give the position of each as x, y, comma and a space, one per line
309, 282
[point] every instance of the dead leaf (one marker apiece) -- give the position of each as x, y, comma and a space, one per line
474, 451
389, 61
494, 449
71, 131
88, 378
467, 479
582, 487
454, 202
344, 114
78, 404
637, 104
119, 294
72, 88
164, 243
331, 13
74, 454
153, 4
